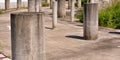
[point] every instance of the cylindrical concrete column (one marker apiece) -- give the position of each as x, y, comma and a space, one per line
40, 5
90, 21
37, 5
79, 3
54, 11
61, 8
69, 4
27, 35
47, 1
7, 4
31, 5
19, 4
51, 4
72, 10
91, 1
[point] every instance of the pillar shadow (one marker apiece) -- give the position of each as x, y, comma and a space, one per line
75, 37
49, 28
114, 32
79, 25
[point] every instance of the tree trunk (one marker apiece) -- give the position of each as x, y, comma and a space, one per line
19, 4
7, 4
61, 8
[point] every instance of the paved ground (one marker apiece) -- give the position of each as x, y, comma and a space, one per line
66, 41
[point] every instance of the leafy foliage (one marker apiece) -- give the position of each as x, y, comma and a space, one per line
83, 1
109, 16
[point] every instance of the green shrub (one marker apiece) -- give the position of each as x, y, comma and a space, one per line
1, 11
44, 4
80, 16
108, 17
83, 2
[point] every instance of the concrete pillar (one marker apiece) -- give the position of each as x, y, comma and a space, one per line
51, 5
31, 5
27, 36
90, 21
40, 5
47, 1
61, 8
7, 4
54, 11
34, 5
69, 4
37, 5
79, 3
19, 4
91, 1
72, 10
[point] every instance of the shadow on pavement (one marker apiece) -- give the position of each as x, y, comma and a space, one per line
75, 37
114, 32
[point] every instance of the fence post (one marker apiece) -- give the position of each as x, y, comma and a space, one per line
54, 23
90, 21
27, 35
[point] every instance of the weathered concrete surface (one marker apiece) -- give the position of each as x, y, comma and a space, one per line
66, 41
72, 12
90, 21
7, 4
54, 12
27, 36
61, 8
19, 4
